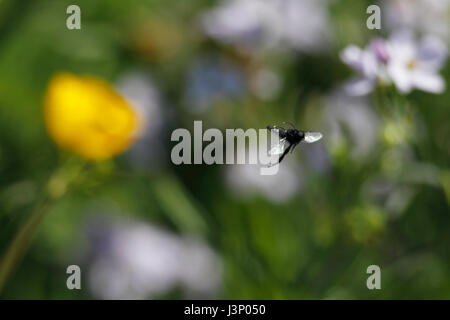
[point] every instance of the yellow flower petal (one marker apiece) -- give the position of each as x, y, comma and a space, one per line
87, 116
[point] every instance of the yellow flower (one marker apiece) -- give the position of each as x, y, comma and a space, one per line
87, 116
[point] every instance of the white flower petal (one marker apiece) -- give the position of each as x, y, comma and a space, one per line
402, 36
429, 82
401, 76
433, 53
353, 57
264, 24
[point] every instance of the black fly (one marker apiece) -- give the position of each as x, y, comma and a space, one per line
290, 138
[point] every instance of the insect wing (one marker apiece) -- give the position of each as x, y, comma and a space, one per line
278, 148
311, 137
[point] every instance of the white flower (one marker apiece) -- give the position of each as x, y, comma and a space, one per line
400, 60
131, 260
245, 180
369, 63
416, 65
305, 24
139, 89
237, 21
254, 24
423, 16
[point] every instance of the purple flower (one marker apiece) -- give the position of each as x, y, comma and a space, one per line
400, 60
369, 63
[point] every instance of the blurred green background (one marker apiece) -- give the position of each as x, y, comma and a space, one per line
374, 190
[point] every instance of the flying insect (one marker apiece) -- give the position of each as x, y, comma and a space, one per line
289, 139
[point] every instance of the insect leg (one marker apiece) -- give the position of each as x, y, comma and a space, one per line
285, 153
293, 147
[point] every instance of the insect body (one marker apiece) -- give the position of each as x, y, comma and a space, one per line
290, 138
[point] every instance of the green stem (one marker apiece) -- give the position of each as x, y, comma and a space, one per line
21, 242
56, 187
